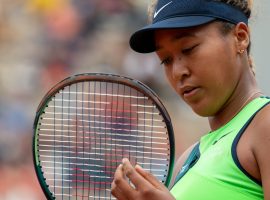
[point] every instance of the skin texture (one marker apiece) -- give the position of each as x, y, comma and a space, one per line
198, 63
146, 185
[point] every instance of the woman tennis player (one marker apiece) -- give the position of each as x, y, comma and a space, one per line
204, 46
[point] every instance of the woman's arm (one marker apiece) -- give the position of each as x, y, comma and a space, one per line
261, 148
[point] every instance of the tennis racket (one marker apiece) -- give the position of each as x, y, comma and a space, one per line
87, 123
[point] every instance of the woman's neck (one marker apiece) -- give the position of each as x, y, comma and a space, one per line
232, 108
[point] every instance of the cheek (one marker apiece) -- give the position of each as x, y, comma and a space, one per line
218, 65
219, 80
220, 87
219, 76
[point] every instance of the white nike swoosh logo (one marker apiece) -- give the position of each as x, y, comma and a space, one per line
158, 11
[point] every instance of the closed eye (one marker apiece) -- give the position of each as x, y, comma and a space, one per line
166, 61
186, 51
189, 50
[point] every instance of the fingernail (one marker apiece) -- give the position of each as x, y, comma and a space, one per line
138, 166
125, 160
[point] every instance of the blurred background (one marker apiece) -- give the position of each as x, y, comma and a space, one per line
44, 41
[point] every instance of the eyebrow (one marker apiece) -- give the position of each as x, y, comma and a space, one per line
178, 37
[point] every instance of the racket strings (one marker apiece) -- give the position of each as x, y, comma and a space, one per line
88, 127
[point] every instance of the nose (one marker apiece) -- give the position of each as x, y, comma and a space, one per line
180, 70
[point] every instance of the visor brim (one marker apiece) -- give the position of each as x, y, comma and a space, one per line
143, 40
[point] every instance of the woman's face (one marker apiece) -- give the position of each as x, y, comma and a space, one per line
201, 64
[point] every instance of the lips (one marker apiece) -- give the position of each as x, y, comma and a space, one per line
188, 91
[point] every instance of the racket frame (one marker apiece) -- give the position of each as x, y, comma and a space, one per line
102, 77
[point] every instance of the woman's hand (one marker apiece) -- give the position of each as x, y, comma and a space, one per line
144, 185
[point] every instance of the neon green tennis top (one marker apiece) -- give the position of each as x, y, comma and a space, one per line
218, 174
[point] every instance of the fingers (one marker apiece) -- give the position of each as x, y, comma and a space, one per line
149, 177
131, 183
117, 193
121, 189
135, 177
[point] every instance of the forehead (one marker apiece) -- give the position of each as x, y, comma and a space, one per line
171, 35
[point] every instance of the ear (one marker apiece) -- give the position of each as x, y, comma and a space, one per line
242, 36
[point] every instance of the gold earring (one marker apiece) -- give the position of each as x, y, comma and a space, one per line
241, 51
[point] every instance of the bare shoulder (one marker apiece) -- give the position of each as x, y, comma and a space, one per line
180, 161
261, 125
261, 146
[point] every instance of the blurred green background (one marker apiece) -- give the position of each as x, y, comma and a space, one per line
44, 41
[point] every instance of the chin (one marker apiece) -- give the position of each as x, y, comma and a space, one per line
202, 110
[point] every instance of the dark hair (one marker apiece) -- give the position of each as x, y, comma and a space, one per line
226, 27
245, 6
